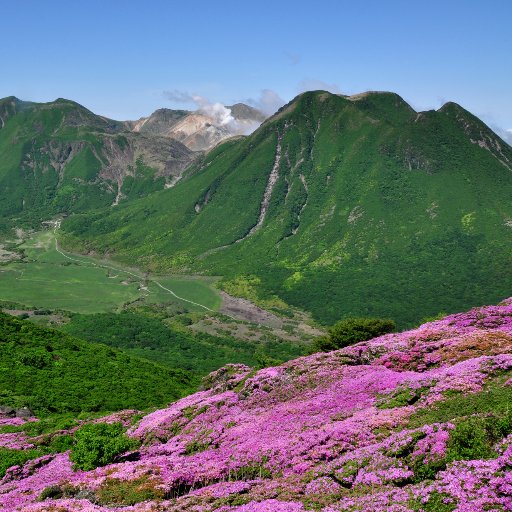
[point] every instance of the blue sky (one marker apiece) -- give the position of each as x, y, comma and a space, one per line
118, 57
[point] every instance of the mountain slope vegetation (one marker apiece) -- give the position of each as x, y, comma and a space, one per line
149, 336
59, 157
53, 372
344, 206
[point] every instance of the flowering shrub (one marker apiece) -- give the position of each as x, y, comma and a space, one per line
412, 421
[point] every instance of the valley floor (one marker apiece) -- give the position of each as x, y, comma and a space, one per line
51, 278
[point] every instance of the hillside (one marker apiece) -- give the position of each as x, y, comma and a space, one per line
344, 206
52, 372
59, 157
151, 336
409, 422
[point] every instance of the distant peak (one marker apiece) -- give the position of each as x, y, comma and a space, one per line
451, 105
10, 99
242, 111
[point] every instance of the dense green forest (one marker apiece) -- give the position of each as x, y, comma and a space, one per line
151, 337
53, 372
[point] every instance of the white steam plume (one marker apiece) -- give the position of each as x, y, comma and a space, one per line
220, 115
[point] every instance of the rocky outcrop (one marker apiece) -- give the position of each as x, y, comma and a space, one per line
199, 130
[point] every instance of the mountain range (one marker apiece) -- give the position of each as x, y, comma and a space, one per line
341, 205
200, 130
336, 206
59, 157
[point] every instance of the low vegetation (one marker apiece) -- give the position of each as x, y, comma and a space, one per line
410, 425
150, 334
352, 330
98, 444
53, 372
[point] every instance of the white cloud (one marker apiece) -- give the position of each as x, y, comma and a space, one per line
220, 115
217, 111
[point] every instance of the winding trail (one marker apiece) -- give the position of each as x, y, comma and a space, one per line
92, 264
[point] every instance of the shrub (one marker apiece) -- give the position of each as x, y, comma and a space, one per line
475, 437
10, 458
98, 444
129, 492
352, 330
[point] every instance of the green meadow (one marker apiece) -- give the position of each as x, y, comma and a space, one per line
47, 278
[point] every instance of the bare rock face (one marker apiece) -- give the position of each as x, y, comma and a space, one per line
200, 130
24, 412
159, 122
7, 412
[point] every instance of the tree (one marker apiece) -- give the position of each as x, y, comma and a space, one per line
352, 330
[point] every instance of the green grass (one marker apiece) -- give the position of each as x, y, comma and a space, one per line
494, 399
47, 279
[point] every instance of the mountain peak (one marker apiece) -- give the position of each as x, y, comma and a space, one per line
242, 111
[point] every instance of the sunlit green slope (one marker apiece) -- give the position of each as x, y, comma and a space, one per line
370, 209
59, 157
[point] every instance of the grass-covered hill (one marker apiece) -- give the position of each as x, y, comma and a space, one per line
53, 372
59, 157
345, 206
418, 421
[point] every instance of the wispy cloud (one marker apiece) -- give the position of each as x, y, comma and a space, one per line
505, 134
177, 96
313, 84
267, 102
293, 58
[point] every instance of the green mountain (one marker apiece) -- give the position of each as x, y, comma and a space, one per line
50, 371
341, 205
59, 157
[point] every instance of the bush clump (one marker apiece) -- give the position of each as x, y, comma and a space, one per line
352, 330
98, 444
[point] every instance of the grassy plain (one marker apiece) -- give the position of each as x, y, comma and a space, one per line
47, 278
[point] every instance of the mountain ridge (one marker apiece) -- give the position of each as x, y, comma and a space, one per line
59, 157
200, 130
359, 188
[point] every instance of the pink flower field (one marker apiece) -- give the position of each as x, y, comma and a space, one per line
413, 421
